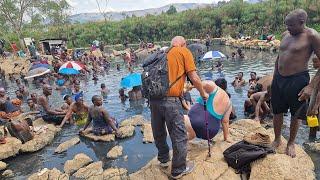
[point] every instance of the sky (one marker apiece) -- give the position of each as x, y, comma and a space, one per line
85, 6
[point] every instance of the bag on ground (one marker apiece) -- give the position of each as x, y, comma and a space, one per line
240, 155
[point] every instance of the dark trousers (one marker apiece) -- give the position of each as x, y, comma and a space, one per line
167, 112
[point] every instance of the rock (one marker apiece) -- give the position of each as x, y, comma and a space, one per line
281, 166
147, 133
66, 145
115, 174
8, 173
105, 138
3, 165
11, 148
115, 152
274, 166
46, 174
136, 120
40, 140
92, 171
313, 146
79, 161
126, 131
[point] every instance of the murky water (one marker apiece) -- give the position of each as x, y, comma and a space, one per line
138, 153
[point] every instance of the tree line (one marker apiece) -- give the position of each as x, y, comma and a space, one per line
223, 19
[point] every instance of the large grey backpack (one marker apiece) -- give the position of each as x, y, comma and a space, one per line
155, 78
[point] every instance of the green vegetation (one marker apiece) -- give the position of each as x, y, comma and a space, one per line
227, 18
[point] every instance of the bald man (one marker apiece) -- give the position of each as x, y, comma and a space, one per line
47, 113
168, 111
291, 76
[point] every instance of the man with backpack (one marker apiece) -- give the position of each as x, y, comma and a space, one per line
166, 108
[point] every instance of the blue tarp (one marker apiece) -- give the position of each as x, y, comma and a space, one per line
131, 80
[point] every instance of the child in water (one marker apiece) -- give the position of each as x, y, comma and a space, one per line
104, 91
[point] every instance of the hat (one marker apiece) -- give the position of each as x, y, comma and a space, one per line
77, 96
259, 139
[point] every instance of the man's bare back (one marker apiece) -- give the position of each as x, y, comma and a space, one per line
295, 52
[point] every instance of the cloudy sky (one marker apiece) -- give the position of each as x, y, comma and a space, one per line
83, 6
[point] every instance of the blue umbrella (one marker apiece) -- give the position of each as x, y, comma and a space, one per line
213, 55
131, 80
68, 71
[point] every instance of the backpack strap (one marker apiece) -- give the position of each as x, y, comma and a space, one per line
184, 73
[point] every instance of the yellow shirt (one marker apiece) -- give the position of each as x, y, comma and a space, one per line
180, 61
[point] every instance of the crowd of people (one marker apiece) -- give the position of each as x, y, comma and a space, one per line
177, 113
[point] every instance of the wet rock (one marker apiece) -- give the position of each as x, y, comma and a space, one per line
92, 171
313, 146
8, 173
79, 161
11, 148
66, 145
115, 174
3, 165
147, 133
40, 140
46, 174
126, 131
275, 166
115, 152
104, 138
136, 120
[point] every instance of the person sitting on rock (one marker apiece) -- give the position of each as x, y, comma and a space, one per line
218, 112
77, 112
49, 114
102, 123
8, 108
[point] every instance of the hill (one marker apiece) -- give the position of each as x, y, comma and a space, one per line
117, 16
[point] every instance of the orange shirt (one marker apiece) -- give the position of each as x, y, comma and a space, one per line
180, 61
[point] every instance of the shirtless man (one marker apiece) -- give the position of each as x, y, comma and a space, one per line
262, 108
291, 76
47, 113
102, 122
79, 110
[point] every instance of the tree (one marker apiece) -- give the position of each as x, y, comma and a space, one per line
172, 10
103, 10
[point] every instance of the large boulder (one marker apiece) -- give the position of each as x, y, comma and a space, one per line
46, 174
10, 148
274, 166
104, 138
115, 152
147, 133
126, 131
92, 171
41, 140
67, 144
115, 174
136, 120
79, 161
